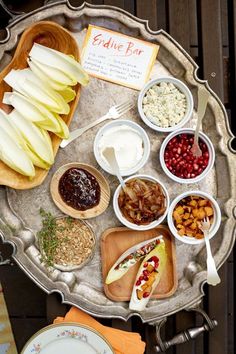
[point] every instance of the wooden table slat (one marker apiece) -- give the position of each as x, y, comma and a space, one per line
179, 26
185, 320
118, 3
147, 12
162, 15
211, 40
224, 23
193, 23
218, 309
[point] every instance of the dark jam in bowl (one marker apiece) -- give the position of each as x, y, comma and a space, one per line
79, 189
179, 159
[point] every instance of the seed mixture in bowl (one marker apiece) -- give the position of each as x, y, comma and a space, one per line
164, 104
76, 242
65, 241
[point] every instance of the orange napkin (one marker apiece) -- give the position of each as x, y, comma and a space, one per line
121, 341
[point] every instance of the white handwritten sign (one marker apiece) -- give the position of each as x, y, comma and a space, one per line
118, 58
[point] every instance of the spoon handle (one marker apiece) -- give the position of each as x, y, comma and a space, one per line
109, 154
203, 96
212, 274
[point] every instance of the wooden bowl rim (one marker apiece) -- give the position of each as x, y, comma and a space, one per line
77, 214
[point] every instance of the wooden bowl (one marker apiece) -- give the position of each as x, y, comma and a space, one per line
53, 36
80, 214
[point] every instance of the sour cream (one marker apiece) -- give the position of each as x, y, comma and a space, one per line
127, 143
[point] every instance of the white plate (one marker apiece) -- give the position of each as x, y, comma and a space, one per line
67, 338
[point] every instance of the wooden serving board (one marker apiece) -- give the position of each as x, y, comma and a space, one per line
56, 37
116, 241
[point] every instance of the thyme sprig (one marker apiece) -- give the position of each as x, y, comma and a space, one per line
47, 236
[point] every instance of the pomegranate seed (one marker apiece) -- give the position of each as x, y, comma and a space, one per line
189, 168
145, 278
138, 282
146, 294
145, 272
145, 264
141, 278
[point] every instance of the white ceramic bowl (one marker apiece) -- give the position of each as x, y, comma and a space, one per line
211, 151
117, 123
129, 224
216, 220
182, 87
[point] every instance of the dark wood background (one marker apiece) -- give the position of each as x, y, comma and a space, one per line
207, 30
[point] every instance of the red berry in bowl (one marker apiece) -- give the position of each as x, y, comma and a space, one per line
146, 294
179, 159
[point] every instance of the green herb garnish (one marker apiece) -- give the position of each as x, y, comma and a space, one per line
47, 236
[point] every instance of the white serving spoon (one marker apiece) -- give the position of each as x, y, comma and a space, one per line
110, 156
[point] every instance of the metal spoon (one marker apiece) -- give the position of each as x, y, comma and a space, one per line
203, 96
212, 274
110, 156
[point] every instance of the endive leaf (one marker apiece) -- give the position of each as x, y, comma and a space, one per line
36, 160
33, 111
64, 134
33, 136
130, 257
23, 105
68, 94
45, 72
10, 129
60, 61
48, 141
13, 156
25, 82
138, 303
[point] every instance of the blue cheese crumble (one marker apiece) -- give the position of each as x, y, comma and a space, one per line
164, 104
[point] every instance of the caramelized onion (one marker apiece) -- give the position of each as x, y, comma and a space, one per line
142, 201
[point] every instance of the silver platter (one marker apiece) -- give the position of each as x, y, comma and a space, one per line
19, 210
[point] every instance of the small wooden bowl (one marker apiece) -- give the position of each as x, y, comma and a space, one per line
56, 37
80, 214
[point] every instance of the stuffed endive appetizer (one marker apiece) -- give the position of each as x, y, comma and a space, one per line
148, 277
130, 257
